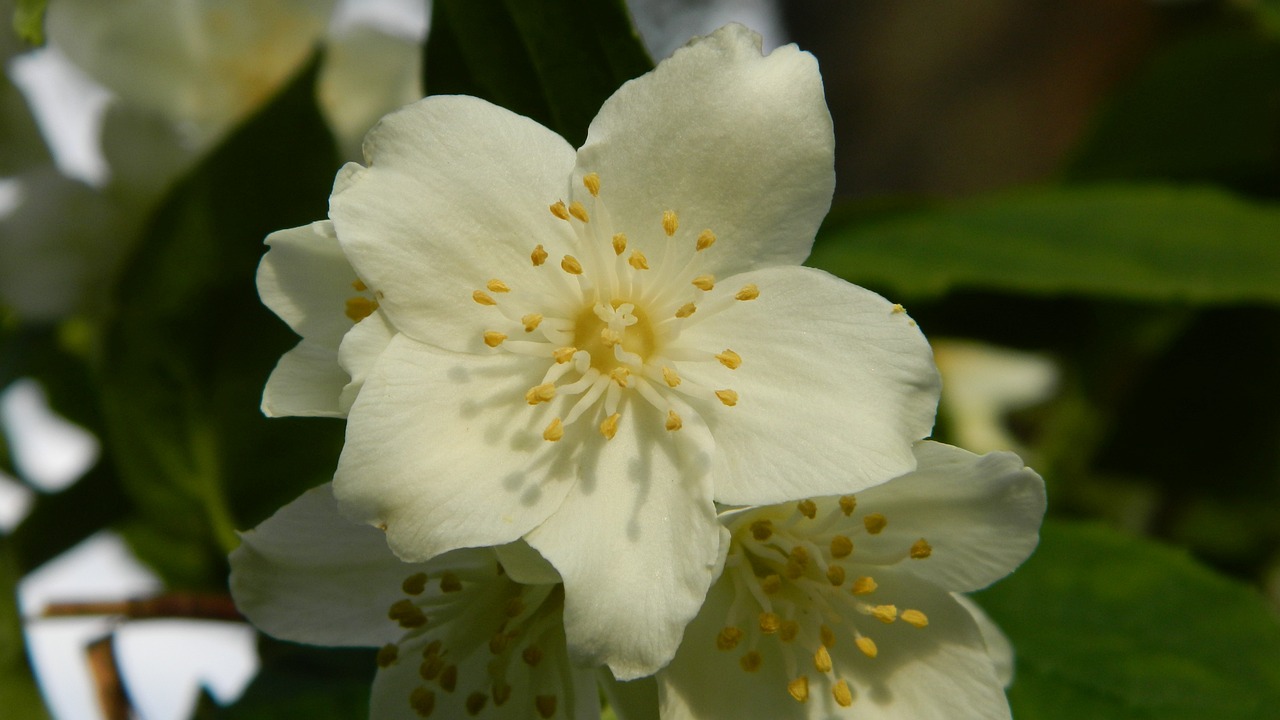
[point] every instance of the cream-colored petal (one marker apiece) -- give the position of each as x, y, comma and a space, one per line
305, 280
360, 348
307, 381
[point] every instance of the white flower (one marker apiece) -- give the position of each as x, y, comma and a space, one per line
587, 349
458, 636
846, 606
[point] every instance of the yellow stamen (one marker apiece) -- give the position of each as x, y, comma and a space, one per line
670, 376
538, 256
670, 222
387, 655
619, 243
686, 310
406, 614
423, 701
476, 702
730, 359
885, 613
540, 393
430, 667
828, 636
789, 630
359, 308
501, 693
493, 338
875, 523
898, 309
921, 549
751, 661
609, 337
609, 427
807, 508
592, 182
705, 240
673, 421
483, 298
496, 285
559, 210
359, 285
514, 608
571, 265
620, 375
835, 574
771, 584
564, 354
554, 431
915, 618
450, 583
867, 646
762, 529
546, 705
800, 555
414, 584
799, 688
847, 504
840, 691
577, 210
864, 585
729, 637
793, 570
638, 260
822, 660
769, 623
704, 282
531, 656
748, 292
498, 643
531, 321
728, 397
841, 547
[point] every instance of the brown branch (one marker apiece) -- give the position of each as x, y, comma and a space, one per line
113, 699
190, 606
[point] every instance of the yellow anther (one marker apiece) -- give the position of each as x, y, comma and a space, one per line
793, 569
449, 678
807, 508
620, 375
898, 309
592, 182
751, 661
841, 547
498, 643
609, 337
875, 523
686, 310
609, 427
564, 354
540, 393
554, 431
789, 630
799, 688
843, 695
514, 608
638, 260
423, 701
450, 583
531, 321
670, 376
748, 292
704, 282
706, 239
531, 656
729, 637
496, 285
827, 635
414, 584
501, 693
538, 256
800, 555
483, 298
388, 654
432, 648
835, 575
476, 702
546, 705
730, 359
769, 623
921, 549
670, 223
619, 243
577, 210
771, 584
822, 660
762, 529
559, 210
571, 265
847, 504
359, 286
359, 308
864, 585
673, 421
406, 614
867, 646
431, 667
493, 338
884, 613
728, 397
915, 618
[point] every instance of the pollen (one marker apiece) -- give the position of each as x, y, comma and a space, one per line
619, 243
564, 354
729, 637
835, 575
498, 643
799, 688
822, 660
875, 523
476, 702
577, 210
620, 375
864, 585
884, 613
449, 678
915, 618
769, 623
670, 377
867, 646
638, 260
388, 654
494, 338
898, 309
748, 292
686, 310
706, 239
673, 421
540, 393
841, 547
847, 504
771, 584
431, 667
670, 222
483, 298
571, 265
423, 701
751, 661
407, 614
704, 282
554, 431
559, 210
730, 359
515, 606
450, 583
728, 397
827, 635
609, 427
501, 693
789, 630
538, 256
531, 321
531, 656
359, 285
807, 508
496, 285
546, 705
414, 584
840, 691
359, 308
592, 182
800, 555
921, 549
762, 529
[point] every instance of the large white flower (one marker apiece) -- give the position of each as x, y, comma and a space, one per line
846, 606
586, 349
459, 636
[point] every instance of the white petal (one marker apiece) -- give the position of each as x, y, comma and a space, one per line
442, 449
305, 279
980, 514
456, 193
360, 348
636, 542
834, 387
998, 644
307, 381
525, 565
730, 140
308, 575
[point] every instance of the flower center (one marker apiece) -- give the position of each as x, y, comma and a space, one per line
602, 327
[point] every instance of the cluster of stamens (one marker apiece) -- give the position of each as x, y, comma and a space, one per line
520, 625
792, 587
362, 305
609, 325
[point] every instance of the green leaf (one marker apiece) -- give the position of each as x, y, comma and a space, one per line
299, 681
191, 348
555, 61
1111, 626
1134, 242
19, 695
28, 20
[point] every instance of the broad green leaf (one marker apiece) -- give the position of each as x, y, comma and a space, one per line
1109, 626
299, 681
28, 20
191, 347
19, 695
1149, 243
555, 61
